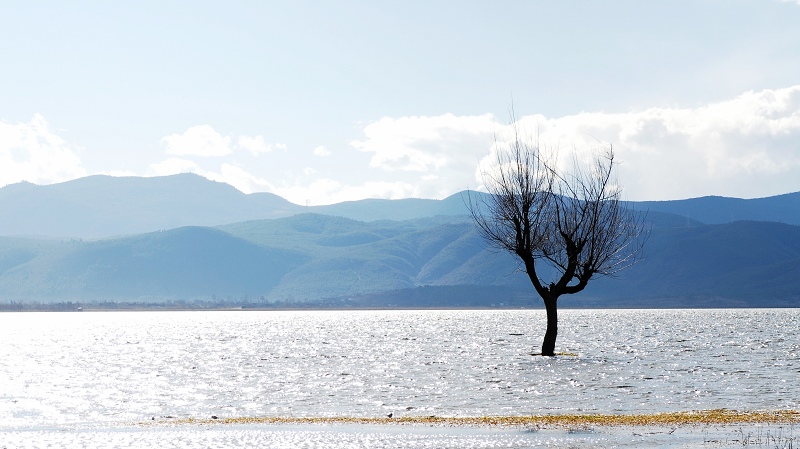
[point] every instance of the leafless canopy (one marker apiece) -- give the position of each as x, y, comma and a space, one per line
574, 221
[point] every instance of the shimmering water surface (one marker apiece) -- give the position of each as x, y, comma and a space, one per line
98, 369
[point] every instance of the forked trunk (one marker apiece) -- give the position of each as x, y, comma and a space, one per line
549, 344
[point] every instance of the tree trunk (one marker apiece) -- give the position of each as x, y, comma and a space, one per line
549, 344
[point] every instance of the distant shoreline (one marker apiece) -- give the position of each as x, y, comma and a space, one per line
686, 418
158, 308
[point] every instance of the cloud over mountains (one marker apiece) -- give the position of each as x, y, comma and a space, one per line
102, 238
34, 152
744, 147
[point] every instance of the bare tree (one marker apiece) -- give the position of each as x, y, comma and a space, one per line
572, 221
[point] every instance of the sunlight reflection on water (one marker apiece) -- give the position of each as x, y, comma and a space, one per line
109, 367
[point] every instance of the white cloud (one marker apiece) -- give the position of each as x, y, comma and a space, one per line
173, 166
255, 145
746, 147
425, 143
32, 152
330, 191
201, 140
205, 141
302, 190
321, 151
437, 155
241, 179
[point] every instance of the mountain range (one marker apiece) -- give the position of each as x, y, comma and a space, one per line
184, 239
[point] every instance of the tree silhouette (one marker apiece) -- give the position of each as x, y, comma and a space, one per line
573, 221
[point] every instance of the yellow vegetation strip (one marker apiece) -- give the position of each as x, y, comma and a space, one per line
703, 417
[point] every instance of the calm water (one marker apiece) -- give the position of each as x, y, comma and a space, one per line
98, 369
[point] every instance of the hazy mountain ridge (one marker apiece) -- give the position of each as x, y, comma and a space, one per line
291, 261
352, 257
742, 262
184, 263
717, 210
433, 257
104, 206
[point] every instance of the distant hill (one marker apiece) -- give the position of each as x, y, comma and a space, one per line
186, 239
191, 263
744, 263
312, 259
718, 210
403, 209
104, 206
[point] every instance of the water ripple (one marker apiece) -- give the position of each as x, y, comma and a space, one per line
67, 368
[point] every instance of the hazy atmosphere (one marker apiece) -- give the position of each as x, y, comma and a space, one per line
322, 102
385, 224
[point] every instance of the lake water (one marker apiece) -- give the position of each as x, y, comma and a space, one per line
70, 377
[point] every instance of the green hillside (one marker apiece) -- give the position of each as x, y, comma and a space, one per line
181, 264
350, 257
311, 259
742, 263
105, 206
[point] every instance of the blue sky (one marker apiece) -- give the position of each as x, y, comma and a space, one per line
323, 102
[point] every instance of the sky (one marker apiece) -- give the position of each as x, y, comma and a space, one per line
329, 101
